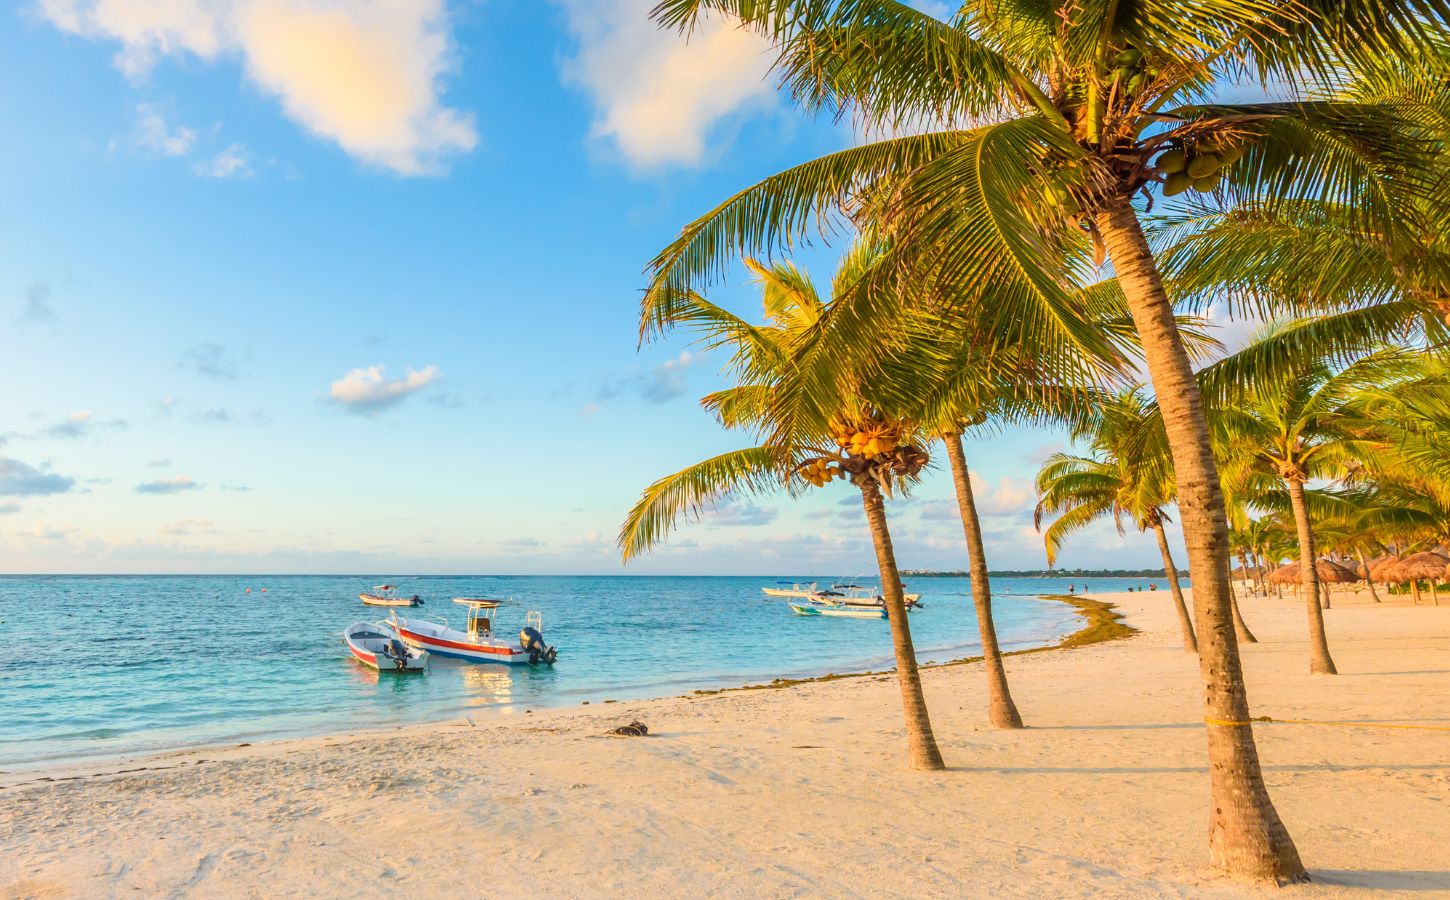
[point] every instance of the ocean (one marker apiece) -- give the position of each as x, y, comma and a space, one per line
110, 665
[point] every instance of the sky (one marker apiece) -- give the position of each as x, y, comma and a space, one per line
344, 286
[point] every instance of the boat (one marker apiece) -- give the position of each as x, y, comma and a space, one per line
371, 645
805, 590
387, 595
476, 642
841, 612
862, 598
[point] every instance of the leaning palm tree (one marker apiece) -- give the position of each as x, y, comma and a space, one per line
1293, 425
1043, 123
1115, 481
876, 453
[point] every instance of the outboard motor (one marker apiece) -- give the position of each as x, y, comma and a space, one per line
532, 640
398, 652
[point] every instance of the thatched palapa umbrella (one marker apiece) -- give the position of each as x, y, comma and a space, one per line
1247, 573
1329, 573
1418, 567
1380, 564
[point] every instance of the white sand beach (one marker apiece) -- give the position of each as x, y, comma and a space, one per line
799, 791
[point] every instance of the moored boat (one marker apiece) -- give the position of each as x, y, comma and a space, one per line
476, 642
372, 646
840, 612
794, 590
387, 595
859, 597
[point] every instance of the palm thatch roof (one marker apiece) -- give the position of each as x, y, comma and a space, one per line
1246, 573
1418, 567
1379, 564
1328, 572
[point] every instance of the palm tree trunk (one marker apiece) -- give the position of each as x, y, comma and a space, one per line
1367, 580
1241, 628
1319, 661
1185, 624
1001, 711
920, 740
1246, 837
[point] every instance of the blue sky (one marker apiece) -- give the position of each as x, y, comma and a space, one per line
297, 286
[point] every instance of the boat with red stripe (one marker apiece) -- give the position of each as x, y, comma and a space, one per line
370, 644
477, 643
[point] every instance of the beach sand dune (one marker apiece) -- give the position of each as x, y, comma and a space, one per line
800, 791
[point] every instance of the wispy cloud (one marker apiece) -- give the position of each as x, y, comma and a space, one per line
367, 391
659, 97
176, 484
731, 513
18, 479
37, 306
155, 137
660, 384
9, 507
233, 162
212, 361
366, 74
188, 527
81, 423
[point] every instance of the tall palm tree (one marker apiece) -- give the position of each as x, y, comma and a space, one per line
875, 453
1115, 481
1295, 424
1086, 105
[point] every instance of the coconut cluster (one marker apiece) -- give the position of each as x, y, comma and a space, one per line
1199, 165
870, 450
1130, 71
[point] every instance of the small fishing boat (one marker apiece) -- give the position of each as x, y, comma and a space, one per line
840, 612
859, 597
476, 642
372, 646
793, 590
387, 595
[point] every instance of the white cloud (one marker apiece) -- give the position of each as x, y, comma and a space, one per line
157, 138
82, 423
364, 73
176, 484
1010, 496
188, 527
9, 507
658, 96
367, 391
233, 162
18, 479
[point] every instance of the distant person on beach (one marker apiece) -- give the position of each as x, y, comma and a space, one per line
1153, 587
1069, 589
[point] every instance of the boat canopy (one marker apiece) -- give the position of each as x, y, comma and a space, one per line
477, 602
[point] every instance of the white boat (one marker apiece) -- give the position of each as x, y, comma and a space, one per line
387, 595
476, 643
841, 612
859, 597
371, 645
806, 590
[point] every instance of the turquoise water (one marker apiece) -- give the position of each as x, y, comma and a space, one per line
103, 665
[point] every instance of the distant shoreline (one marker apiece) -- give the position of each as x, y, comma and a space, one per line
1046, 573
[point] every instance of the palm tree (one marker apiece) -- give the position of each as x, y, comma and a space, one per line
875, 453
1086, 105
1115, 481
1294, 424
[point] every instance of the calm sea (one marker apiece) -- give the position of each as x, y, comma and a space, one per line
103, 665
